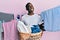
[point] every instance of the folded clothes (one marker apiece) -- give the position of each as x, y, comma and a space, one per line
22, 27
35, 29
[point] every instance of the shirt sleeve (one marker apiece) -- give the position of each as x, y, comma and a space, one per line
23, 20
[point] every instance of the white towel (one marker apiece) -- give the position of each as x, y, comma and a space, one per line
22, 27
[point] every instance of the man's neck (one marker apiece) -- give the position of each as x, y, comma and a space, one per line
31, 13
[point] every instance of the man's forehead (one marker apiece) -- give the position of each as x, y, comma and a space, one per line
30, 4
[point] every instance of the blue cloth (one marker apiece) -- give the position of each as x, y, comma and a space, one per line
6, 17
51, 19
35, 29
1, 30
1, 27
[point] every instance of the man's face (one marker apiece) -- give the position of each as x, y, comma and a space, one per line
30, 8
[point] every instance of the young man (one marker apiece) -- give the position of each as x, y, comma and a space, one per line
31, 18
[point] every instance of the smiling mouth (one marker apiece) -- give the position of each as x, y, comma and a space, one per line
31, 9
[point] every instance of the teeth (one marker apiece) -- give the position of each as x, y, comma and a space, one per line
31, 9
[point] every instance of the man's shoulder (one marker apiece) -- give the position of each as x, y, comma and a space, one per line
38, 15
25, 15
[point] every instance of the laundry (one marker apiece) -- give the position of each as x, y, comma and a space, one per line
10, 30
1, 30
35, 29
51, 19
6, 17
22, 27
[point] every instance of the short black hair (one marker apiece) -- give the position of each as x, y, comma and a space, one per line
27, 6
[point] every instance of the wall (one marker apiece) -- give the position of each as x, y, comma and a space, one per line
18, 6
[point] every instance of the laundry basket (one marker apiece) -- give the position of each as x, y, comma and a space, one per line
29, 36
25, 33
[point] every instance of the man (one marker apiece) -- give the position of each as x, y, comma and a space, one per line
31, 19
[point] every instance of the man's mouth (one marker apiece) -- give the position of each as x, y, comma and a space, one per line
31, 9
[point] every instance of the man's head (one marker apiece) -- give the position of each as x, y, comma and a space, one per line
29, 7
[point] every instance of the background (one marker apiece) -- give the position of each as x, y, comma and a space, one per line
18, 7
